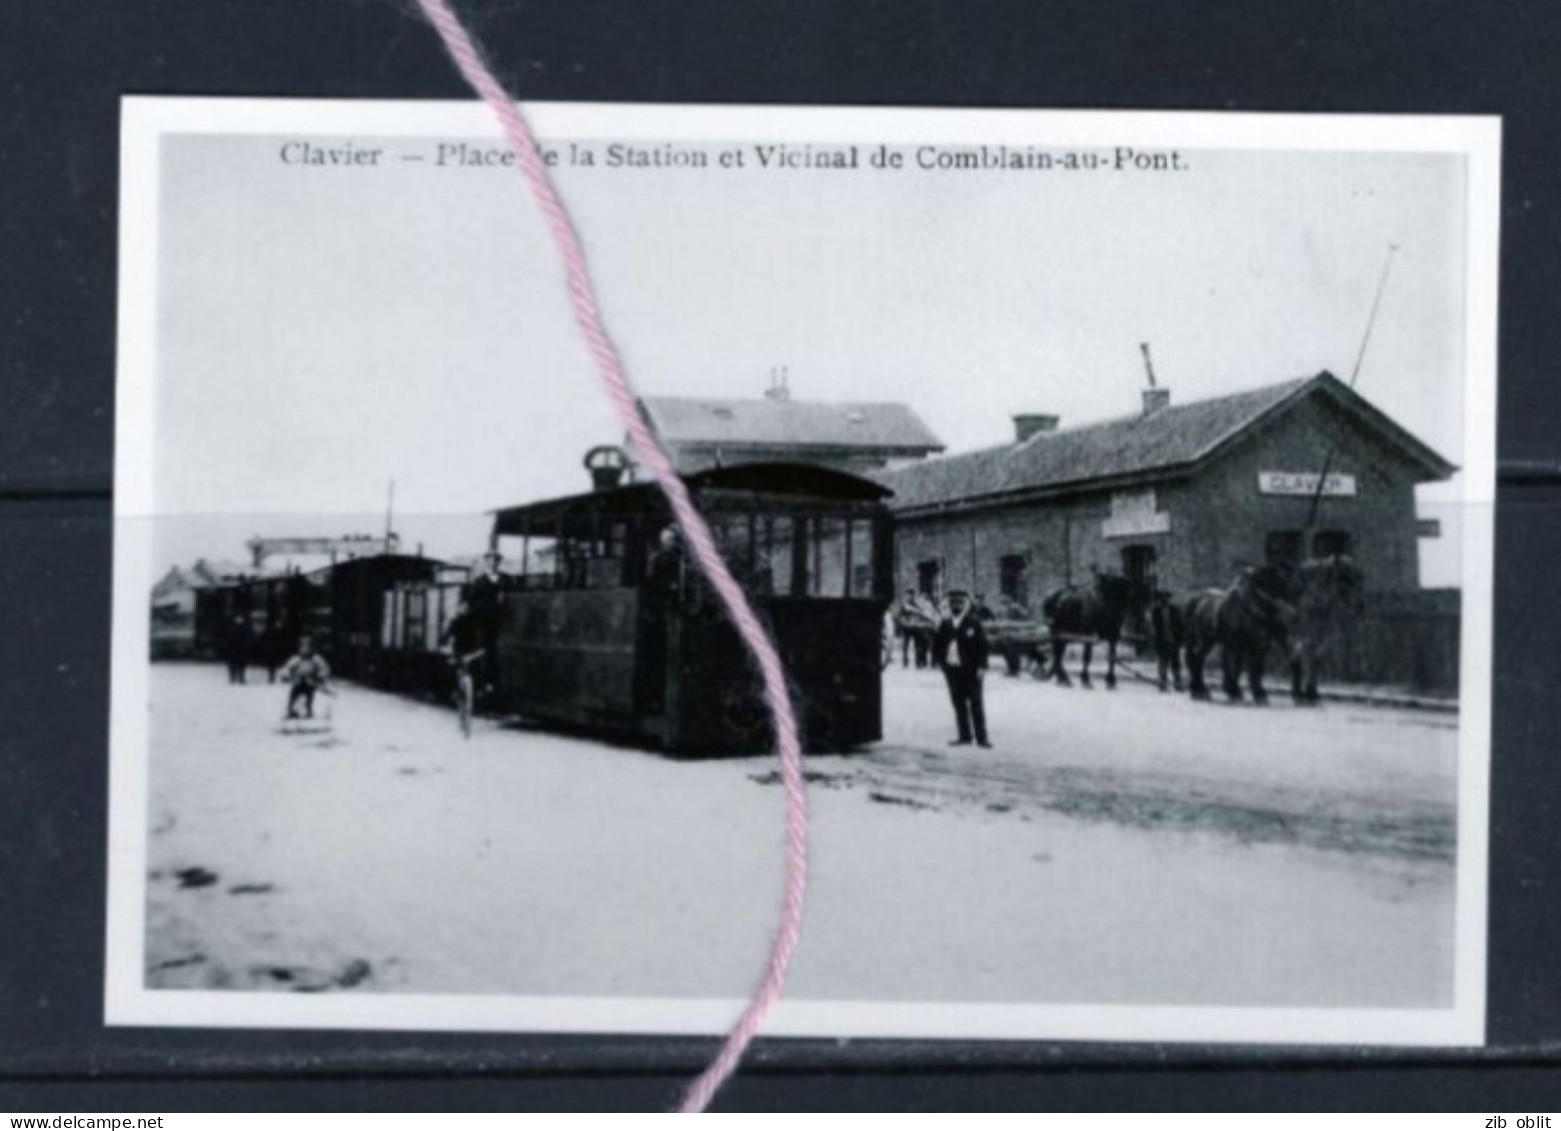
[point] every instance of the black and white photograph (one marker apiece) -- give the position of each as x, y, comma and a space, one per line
1116, 488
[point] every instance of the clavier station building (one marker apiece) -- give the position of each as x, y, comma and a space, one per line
1184, 495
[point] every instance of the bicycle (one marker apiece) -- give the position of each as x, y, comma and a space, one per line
465, 689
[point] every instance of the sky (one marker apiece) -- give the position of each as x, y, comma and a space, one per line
323, 330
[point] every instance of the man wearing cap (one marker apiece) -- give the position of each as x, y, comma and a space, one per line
960, 648
483, 601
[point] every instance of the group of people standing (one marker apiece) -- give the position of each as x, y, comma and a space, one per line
241, 647
954, 640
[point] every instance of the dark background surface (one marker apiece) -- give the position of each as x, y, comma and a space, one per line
63, 67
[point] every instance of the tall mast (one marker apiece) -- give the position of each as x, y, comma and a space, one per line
1360, 356
390, 511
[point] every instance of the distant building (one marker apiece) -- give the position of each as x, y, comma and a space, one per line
702, 433
173, 615
175, 599
1181, 494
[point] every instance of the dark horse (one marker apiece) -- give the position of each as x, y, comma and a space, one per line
1087, 613
1328, 594
1244, 620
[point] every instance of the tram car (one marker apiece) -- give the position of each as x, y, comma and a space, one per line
605, 628
610, 630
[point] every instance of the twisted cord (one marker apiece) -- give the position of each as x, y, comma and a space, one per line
696, 533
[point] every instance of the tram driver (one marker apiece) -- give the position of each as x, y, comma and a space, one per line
663, 579
665, 571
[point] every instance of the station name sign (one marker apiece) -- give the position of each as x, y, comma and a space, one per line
1305, 483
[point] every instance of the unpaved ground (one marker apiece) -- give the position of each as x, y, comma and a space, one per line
1115, 847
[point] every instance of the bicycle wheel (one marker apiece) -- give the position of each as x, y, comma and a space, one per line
463, 702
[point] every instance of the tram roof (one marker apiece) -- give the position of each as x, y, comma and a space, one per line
777, 481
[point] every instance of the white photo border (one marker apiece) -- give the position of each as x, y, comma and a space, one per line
147, 120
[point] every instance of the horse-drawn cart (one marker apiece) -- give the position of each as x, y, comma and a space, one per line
1017, 639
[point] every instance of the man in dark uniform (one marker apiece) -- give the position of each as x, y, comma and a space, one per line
960, 648
484, 603
238, 645
1168, 630
664, 572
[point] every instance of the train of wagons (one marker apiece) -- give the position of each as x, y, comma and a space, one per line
604, 629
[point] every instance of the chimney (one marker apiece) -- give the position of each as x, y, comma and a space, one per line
1027, 424
1155, 398
780, 385
607, 465
606, 478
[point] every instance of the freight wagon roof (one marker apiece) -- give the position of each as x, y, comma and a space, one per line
396, 565
1172, 440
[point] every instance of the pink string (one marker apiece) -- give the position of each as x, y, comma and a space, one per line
468, 59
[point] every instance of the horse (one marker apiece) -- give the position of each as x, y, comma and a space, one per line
1244, 620
1327, 594
1086, 613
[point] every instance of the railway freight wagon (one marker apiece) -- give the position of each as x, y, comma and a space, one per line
610, 630
348, 611
414, 619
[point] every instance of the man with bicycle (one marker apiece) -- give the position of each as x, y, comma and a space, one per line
466, 639
483, 601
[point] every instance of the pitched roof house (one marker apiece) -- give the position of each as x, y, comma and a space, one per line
1185, 493
1154, 444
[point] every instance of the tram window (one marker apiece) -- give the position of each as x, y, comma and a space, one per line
776, 553
733, 537
1013, 580
542, 563
928, 577
387, 626
416, 614
862, 576
1326, 543
827, 578
1282, 547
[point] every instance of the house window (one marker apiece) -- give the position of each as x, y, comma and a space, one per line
928, 577
1282, 547
1012, 580
1138, 563
1326, 543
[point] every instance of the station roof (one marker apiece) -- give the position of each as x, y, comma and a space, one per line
883, 427
1170, 441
